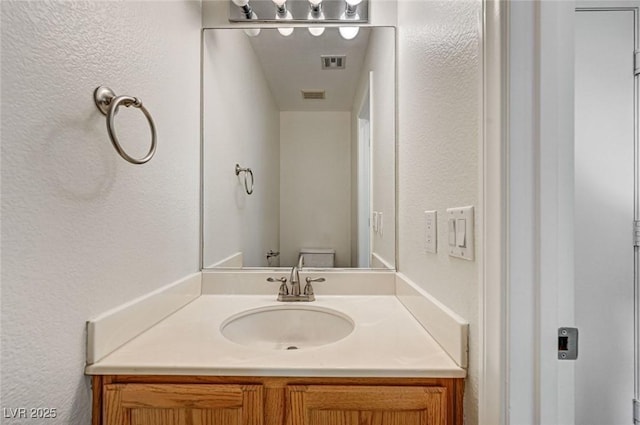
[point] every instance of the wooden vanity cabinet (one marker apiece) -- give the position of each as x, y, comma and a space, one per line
210, 400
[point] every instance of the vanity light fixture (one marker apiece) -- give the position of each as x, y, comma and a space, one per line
246, 9
350, 13
349, 33
252, 32
316, 9
315, 14
283, 14
248, 13
281, 8
352, 8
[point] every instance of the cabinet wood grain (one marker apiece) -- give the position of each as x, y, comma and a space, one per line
175, 404
254, 400
359, 405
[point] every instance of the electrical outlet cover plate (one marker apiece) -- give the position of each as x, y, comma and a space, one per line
463, 247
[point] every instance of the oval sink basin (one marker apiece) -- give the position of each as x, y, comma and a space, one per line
287, 327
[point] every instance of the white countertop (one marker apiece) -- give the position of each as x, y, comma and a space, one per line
387, 342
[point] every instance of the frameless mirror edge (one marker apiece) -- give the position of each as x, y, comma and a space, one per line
263, 25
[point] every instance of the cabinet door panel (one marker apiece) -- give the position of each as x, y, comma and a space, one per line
359, 417
169, 404
158, 416
364, 405
333, 417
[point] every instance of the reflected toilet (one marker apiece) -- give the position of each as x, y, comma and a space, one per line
318, 257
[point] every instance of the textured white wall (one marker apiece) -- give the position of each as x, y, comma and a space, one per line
439, 127
315, 187
241, 125
82, 230
379, 59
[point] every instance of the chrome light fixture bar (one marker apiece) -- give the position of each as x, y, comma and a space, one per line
302, 11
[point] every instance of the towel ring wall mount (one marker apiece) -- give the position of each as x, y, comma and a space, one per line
108, 103
248, 188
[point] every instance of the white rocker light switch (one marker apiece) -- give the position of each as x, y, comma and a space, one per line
461, 232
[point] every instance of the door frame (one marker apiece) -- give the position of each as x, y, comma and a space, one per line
365, 233
493, 361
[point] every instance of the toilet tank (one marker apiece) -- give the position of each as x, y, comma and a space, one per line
318, 257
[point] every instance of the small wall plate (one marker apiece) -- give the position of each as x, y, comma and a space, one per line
431, 231
460, 223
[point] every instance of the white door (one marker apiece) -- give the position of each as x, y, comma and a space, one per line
604, 211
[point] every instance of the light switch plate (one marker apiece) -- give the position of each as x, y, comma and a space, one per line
431, 231
375, 222
464, 240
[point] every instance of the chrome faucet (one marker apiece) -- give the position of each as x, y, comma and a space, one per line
294, 278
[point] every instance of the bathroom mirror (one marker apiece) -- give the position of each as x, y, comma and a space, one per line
298, 151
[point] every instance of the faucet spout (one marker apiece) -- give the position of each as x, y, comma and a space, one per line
295, 276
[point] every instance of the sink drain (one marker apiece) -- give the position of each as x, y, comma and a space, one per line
292, 347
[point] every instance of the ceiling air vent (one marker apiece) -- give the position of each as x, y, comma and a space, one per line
312, 94
333, 62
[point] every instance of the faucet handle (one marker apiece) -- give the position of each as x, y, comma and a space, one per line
308, 289
277, 279
283, 286
313, 280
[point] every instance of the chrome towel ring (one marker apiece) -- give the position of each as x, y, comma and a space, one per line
246, 184
108, 103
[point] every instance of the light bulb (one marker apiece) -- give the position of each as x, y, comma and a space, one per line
315, 3
286, 17
252, 32
313, 15
316, 31
279, 3
241, 3
353, 2
285, 31
349, 33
